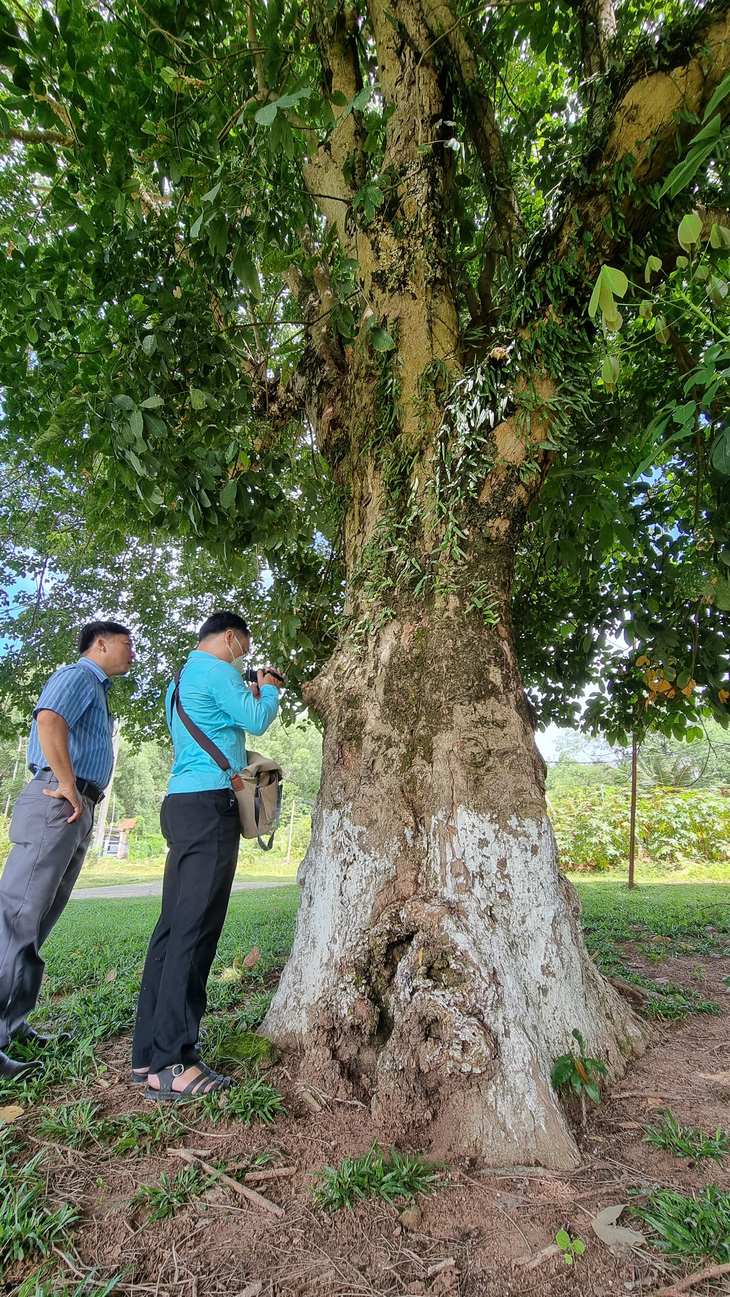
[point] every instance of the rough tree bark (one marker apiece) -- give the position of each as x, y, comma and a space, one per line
438, 966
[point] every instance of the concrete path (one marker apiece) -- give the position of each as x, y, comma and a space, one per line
155, 889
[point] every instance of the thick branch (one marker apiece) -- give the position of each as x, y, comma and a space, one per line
597, 20
481, 121
649, 115
326, 173
38, 137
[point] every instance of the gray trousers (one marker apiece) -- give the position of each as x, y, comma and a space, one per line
36, 883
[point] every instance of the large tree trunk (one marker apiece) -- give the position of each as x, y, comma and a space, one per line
438, 966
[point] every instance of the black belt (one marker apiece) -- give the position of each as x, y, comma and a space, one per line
85, 786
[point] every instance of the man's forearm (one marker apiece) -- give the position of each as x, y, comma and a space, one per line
53, 737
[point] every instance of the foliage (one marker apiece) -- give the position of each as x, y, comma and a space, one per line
28, 1222
592, 827
579, 1072
570, 1247
373, 1175
246, 1101
686, 1141
49, 1282
696, 1225
170, 1193
181, 308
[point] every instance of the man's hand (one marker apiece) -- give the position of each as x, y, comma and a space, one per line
71, 794
269, 677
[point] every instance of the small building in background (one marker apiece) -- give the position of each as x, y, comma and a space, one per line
116, 840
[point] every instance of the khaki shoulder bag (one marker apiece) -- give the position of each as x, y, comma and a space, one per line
257, 787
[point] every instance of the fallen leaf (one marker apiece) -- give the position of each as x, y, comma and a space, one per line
721, 1078
252, 958
610, 1233
11, 1113
111, 975
252, 1290
630, 1125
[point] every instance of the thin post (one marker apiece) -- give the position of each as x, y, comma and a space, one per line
291, 831
632, 831
15, 775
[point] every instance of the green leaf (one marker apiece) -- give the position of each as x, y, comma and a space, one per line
197, 398
152, 403
195, 227
653, 264
723, 90
690, 229
719, 236
136, 423
579, 1246
124, 402
381, 340
149, 344
228, 493
617, 280
267, 115
721, 453
562, 1239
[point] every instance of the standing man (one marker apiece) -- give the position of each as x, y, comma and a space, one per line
70, 755
199, 819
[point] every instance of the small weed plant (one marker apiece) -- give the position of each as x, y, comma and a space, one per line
579, 1072
170, 1193
251, 1100
48, 1282
696, 1226
686, 1141
28, 1223
571, 1248
372, 1175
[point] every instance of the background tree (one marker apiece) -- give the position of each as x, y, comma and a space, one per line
308, 287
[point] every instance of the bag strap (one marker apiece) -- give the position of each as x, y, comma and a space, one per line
257, 809
201, 739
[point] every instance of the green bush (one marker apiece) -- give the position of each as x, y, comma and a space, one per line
592, 826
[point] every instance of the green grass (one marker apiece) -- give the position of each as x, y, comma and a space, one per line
690, 1226
109, 872
374, 1176
94, 962
170, 1193
686, 1141
29, 1221
661, 919
252, 1099
50, 1282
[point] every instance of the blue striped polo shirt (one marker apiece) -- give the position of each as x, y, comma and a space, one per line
79, 694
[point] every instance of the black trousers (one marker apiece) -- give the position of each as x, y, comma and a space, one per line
202, 832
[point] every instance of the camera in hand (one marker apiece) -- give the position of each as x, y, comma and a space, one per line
251, 674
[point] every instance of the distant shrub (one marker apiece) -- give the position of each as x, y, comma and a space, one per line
592, 826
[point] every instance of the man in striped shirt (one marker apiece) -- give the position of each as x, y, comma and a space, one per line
70, 755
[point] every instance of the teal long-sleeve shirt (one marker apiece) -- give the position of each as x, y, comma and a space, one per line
223, 707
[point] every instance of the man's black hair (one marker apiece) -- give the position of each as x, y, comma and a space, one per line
220, 621
93, 629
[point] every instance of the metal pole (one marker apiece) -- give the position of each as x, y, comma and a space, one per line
15, 775
102, 810
632, 831
291, 831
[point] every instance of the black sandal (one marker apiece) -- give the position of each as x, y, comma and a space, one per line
213, 1083
138, 1076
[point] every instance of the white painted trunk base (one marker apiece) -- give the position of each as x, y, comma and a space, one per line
442, 978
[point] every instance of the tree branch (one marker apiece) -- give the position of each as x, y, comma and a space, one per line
481, 121
38, 137
647, 118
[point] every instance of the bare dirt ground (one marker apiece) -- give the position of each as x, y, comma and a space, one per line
486, 1233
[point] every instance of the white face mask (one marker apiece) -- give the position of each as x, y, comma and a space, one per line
238, 663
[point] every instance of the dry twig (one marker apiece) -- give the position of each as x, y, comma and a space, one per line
681, 1286
257, 1199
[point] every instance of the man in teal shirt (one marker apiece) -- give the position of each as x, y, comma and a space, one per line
200, 822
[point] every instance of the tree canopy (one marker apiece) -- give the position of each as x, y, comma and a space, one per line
206, 213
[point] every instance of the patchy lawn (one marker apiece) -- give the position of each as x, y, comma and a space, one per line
102, 1192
